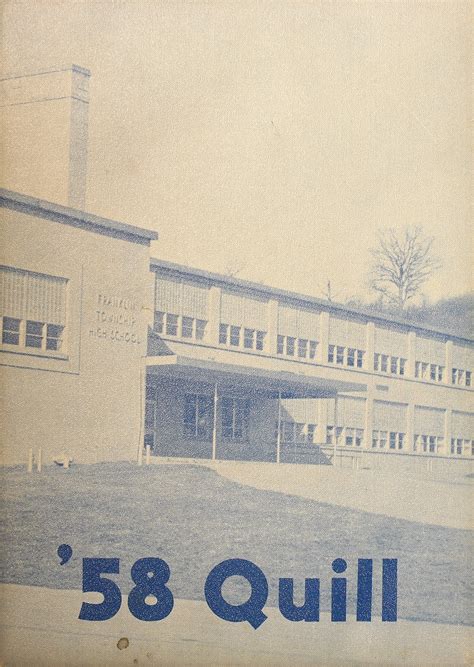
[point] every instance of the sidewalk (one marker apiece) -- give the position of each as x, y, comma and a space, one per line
428, 501
39, 627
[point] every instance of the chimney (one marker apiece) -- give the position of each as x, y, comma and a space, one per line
43, 125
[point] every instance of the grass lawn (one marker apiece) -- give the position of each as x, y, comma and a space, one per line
193, 518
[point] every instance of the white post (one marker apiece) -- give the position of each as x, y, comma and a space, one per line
279, 427
147, 458
30, 460
335, 429
40, 459
214, 425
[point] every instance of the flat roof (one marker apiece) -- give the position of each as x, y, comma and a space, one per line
76, 218
290, 384
306, 299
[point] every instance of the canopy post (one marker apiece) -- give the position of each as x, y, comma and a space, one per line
279, 427
335, 428
214, 425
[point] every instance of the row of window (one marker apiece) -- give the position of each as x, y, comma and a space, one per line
179, 325
461, 377
199, 417
235, 418
388, 440
388, 364
427, 443
300, 347
235, 336
425, 371
295, 432
345, 356
462, 446
29, 334
345, 435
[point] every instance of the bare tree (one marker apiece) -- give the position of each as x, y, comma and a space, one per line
402, 262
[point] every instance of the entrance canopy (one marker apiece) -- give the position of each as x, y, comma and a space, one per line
271, 383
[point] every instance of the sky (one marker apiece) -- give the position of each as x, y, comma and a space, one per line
274, 138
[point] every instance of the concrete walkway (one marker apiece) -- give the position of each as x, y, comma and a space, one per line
442, 502
39, 627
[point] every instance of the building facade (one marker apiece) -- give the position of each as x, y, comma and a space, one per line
102, 358
240, 370
74, 300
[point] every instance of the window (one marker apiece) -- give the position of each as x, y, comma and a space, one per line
346, 356
11, 331
354, 437
187, 324
32, 311
171, 324
461, 377
302, 348
200, 329
198, 416
235, 418
385, 364
182, 325
351, 357
249, 339
427, 444
260, 340
457, 446
293, 432
462, 446
235, 336
159, 322
223, 331
290, 346
394, 439
34, 334
425, 371
54, 339
280, 344
376, 361
332, 434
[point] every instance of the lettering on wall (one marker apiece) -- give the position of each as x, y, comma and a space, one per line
116, 320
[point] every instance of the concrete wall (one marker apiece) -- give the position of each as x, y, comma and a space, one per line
87, 402
44, 123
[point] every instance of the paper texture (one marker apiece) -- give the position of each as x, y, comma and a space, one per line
221, 445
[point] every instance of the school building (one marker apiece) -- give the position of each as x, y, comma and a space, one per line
105, 353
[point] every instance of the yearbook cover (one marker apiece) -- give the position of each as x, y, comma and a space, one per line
236, 349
